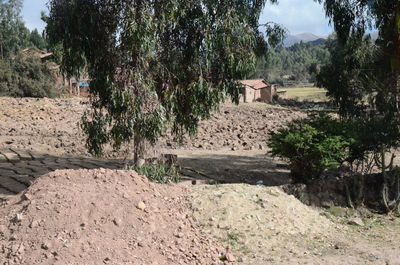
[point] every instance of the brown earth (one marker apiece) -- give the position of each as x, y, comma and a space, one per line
101, 216
51, 126
246, 223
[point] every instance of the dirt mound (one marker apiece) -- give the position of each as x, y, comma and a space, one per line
101, 216
261, 224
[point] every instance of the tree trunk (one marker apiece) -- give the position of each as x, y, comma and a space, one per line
142, 150
385, 188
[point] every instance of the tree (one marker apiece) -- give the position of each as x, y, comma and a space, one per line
26, 77
294, 61
379, 77
344, 75
13, 33
153, 63
37, 40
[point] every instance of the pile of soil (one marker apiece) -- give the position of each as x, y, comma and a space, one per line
263, 224
101, 216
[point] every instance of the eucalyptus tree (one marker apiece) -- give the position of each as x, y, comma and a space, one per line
375, 74
13, 33
155, 63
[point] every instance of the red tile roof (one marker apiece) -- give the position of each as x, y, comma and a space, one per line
254, 83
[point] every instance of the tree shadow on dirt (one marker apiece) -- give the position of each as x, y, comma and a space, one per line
231, 168
18, 173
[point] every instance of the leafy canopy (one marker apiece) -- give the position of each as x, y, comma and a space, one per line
311, 145
155, 62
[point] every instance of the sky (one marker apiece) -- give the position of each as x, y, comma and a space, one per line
297, 16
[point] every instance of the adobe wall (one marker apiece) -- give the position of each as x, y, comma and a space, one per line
267, 94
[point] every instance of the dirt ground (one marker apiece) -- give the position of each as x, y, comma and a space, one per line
101, 217
182, 224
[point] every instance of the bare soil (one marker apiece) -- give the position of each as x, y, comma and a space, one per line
101, 216
92, 216
51, 126
264, 225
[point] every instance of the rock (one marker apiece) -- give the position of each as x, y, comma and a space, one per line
117, 222
3, 229
34, 224
140, 163
180, 235
46, 245
230, 257
27, 197
141, 206
18, 217
356, 221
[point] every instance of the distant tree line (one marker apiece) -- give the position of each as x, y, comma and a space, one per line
21, 76
285, 66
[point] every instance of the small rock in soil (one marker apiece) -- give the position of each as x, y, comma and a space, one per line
230, 257
141, 206
356, 221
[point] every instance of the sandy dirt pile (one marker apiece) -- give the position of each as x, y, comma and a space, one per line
262, 224
101, 217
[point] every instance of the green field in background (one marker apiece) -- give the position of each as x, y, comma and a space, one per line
305, 93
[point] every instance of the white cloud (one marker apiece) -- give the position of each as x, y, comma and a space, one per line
298, 16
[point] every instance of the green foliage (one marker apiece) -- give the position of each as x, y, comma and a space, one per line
155, 63
361, 70
311, 146
14, 35
294, 61
344, 75
38, 40
26, 77
161, 173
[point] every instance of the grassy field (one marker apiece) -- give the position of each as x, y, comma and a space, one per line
305, 93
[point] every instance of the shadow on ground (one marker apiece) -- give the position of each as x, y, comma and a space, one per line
19, 169
233, 168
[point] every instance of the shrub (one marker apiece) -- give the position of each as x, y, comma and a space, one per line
161, 173
26, 77
311, 146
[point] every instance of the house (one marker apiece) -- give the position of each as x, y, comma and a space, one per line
72, 85
35, 52
257, 90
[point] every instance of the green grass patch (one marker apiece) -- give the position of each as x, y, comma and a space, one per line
306, 94
161, 173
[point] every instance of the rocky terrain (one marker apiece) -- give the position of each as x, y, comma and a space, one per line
59, 205
51, 126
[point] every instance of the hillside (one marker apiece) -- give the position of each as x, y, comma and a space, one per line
302, 37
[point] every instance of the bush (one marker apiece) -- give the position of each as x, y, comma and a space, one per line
161, 173
311, 146
26, 77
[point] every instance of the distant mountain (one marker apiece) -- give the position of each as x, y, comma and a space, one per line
319, 41
304, 37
